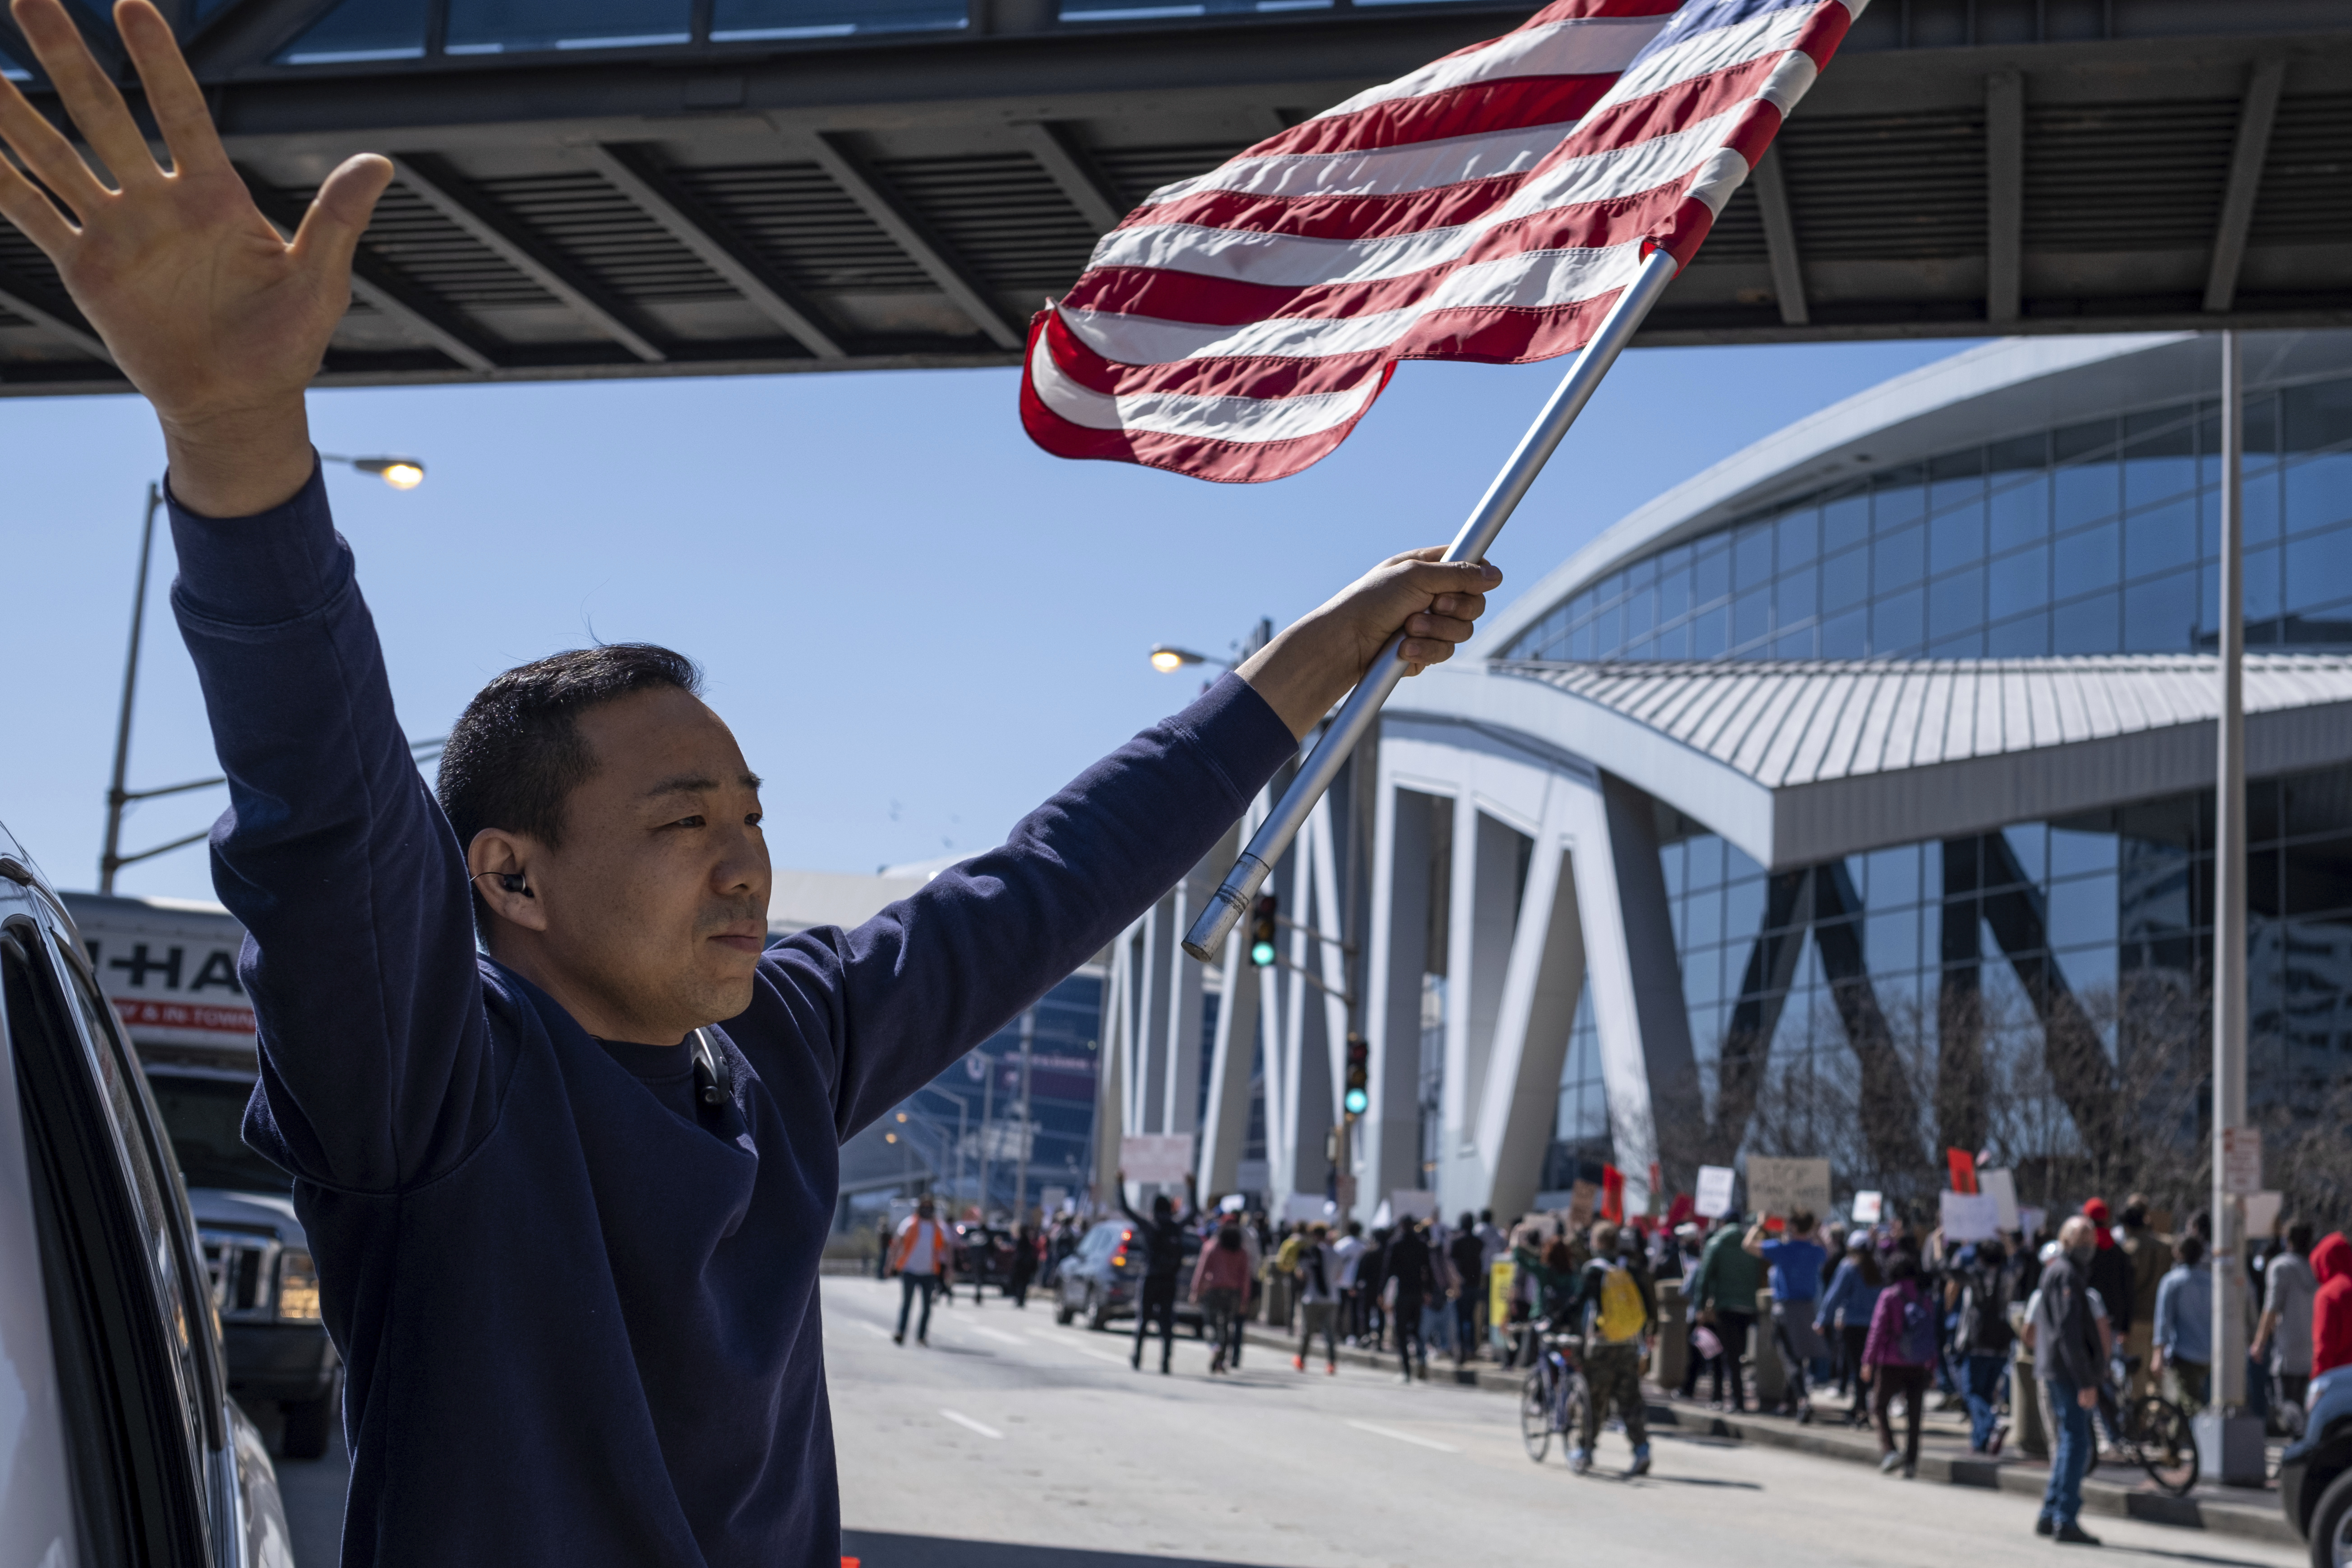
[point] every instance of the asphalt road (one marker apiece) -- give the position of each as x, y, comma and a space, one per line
1010, 1441
1011, 1431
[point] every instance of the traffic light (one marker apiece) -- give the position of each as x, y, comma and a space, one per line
1262, 924
1359, 1075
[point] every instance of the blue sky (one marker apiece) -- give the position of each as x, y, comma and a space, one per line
919, 625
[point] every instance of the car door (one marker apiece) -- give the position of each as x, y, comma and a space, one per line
131, 1333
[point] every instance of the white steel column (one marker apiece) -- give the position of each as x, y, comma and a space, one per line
1225, 1126
1388, 1136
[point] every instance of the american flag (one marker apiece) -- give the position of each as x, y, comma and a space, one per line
1490, 207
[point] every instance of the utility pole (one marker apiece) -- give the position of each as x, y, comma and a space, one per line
2230, 1441
987, 1121
111, 857
1020, 1182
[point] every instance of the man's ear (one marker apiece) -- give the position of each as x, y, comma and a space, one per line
500, 864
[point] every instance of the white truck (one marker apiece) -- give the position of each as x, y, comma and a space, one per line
168, 968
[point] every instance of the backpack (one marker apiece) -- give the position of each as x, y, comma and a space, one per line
1621, 1315
1917, 1343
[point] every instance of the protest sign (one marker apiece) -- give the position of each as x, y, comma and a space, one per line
1970, 1216
1413, 1202
1783, 1186
1868, 1206
1163, 1157
1713, 1191
2001, 1187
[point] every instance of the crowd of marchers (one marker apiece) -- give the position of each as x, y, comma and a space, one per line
2101, 1307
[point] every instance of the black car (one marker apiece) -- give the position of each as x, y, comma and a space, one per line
985, 1253
1098, 1281
2315, 1472
265, 1284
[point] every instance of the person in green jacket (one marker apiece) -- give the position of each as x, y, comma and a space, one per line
1722, 1295
1557, 1271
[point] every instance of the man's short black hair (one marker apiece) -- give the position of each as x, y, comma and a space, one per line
516, 754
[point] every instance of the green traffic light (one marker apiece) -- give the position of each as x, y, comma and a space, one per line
1262, 954
1357, 1101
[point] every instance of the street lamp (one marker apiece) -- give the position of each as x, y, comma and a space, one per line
401, 474
1168, 660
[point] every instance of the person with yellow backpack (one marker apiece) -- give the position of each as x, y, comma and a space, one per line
1619, 1313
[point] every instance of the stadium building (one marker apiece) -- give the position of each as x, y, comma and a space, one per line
1853, 797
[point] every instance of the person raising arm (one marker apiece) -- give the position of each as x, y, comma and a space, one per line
564, 1130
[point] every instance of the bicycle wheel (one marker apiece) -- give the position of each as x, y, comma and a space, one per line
2168, 1447
1535, 1417
1574, 1397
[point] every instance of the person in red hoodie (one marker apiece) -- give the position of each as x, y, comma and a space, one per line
2331, 1307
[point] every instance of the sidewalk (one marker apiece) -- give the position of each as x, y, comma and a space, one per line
1943, 1448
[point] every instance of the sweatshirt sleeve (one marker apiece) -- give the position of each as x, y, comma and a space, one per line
359, 957
934, 975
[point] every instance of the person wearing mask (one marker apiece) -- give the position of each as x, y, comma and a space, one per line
2184, 1326
1550, 1275
1467, 1253
2283, 1338
1982, 1336
1795, 1261
2069, 1357
1897, 1359
1221, 1283
1846, 1311
1616, 1314
1408, 1262
1315, 1268
1724, 1296
1163, 1256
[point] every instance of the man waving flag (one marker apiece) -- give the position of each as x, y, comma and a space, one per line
1491, 205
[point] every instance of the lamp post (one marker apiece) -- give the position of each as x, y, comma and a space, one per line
401, 474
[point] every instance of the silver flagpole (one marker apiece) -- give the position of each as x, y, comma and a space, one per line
1233, 895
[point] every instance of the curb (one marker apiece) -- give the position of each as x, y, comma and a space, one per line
2250, 1520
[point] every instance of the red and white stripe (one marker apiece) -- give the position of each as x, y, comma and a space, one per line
1489, 206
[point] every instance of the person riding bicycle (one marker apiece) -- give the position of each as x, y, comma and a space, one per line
1616, 1313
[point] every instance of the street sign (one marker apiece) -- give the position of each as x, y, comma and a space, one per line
2241, 1160
1714, 1190
1165, 1157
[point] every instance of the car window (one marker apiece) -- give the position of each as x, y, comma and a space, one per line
205, 1117
182, 1286
133, 1437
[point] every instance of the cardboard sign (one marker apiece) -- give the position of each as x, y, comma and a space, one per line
1783, 1186
2241, 1160
1412, 1201
2263, 1213
1970, 1216
1229, 1203
1305, 1208
1162, 1157
1580, 1204
1713, 1191
1868, 1206
2001, 1187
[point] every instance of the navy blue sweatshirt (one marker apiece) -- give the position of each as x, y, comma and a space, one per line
582, 1326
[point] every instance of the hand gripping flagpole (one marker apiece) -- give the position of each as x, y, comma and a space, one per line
1233, 895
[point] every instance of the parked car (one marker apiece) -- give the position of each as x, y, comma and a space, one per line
1098, 1281
127, 1445
2315, 1472
168, 968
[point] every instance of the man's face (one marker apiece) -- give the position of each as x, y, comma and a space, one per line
656, 904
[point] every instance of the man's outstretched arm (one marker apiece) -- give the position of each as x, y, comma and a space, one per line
332, 852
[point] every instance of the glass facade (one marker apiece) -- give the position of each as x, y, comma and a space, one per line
1949, 965
2097, 538
973, 1109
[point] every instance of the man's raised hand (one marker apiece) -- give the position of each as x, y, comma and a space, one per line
216, 318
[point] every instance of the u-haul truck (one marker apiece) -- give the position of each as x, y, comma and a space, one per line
169, 967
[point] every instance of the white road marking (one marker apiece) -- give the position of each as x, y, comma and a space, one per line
1080, 1350
1000, 1336
1404, 1437
963, 1420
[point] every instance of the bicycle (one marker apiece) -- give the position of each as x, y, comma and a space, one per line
1556, 1395
2150, 1431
